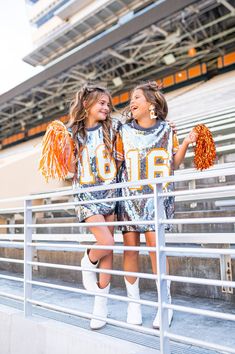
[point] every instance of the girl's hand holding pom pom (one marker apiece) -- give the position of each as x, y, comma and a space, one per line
192, 137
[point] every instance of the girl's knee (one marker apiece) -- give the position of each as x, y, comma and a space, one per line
131, 255
109, 241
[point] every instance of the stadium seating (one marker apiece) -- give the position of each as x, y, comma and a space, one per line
210, 103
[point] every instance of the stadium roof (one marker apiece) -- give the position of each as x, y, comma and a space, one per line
154, 41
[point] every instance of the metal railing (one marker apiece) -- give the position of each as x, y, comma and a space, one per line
161, 249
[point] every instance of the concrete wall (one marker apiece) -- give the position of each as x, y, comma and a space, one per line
19, 173
20, 335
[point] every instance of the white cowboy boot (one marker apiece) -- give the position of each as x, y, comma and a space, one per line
156, 322
89, 279
134, 315
100, 308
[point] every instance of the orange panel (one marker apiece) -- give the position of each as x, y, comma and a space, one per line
168, 81
124, 97
115, 100
229, 59
31, 132
204, 69
192, 52
220, 62
19, 136
194, 71
11, 139
181, 76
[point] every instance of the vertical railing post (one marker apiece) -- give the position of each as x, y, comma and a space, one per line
161, 268
27, 257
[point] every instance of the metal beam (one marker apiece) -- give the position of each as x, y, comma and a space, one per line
154, 13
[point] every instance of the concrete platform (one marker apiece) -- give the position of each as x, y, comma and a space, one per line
194, 326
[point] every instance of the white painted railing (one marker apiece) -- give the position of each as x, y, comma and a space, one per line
162, 250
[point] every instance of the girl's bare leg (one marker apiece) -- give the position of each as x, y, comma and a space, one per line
131, 258
103, 237
151, 242
107, 261
131, 264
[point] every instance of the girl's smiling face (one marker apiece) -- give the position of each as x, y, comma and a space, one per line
139, 106
100, 109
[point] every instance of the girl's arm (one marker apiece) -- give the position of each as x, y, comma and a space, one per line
69, 157
180, 154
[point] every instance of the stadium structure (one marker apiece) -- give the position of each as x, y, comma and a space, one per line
188, 46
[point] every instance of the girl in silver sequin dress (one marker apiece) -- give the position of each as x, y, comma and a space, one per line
150, 149
94, 134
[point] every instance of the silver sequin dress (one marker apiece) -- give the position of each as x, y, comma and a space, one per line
148, 153
95, 168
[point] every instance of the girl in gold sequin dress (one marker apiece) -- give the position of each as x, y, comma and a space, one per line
150, 149
94, 132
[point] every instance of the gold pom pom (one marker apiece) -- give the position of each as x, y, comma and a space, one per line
205, 151
53, 161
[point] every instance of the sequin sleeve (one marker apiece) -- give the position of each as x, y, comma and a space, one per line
175, 143
118, 152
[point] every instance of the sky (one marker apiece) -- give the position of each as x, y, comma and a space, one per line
15, 43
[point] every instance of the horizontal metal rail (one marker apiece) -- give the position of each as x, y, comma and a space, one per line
201, 312
87, 315
179, 194
11, 296
85, 292
10, 277
201, 251
106, 271
83, 224
180, 279
12, 260
72, 205
11, 243
212, 220
94, 247
194, 192
8, 226
168, 250
200, 343
158, 180
179, 237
